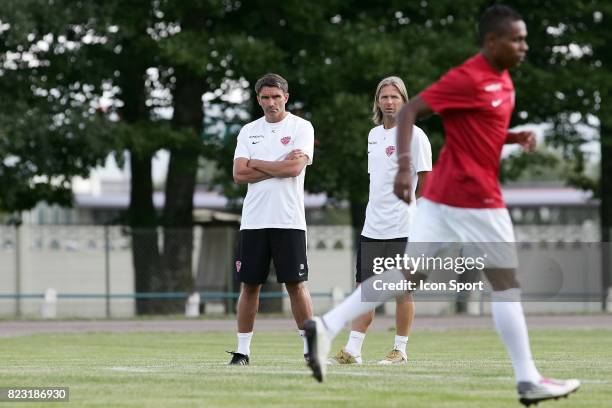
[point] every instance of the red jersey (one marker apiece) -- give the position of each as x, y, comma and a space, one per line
475, 102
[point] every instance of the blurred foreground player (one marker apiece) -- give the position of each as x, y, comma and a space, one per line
462, 199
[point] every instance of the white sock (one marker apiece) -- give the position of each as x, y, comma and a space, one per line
400, 343
353, 306
354, 343
244, 343
511, 327
303, 336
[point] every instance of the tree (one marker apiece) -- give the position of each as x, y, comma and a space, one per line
51, 126
191, 47
566, 82
333, 55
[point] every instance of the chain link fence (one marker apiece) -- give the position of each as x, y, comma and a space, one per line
112, 271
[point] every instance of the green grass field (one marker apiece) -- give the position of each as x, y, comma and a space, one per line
455, 368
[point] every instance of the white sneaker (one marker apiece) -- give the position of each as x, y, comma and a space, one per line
318, 346
545, 389
394, 357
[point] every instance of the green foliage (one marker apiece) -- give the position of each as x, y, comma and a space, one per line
536, 166
333, 54
50, 128
341, 154
563, 79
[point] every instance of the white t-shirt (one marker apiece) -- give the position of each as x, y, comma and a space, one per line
276, 202
387, 216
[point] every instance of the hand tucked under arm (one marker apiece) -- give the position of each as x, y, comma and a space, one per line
283, 168
244, 174
295, 154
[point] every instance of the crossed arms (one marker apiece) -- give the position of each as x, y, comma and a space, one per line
253, 171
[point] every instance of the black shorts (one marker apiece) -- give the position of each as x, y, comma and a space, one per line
370, 248
285, 247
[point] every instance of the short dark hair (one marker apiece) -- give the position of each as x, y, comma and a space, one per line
495, 19
273, 80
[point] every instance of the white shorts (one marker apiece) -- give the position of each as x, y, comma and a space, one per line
482, 231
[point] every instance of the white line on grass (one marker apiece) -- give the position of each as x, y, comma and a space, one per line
134, 369
357, 371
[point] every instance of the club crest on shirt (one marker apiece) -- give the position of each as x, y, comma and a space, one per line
390, 150
285, 140
238, 265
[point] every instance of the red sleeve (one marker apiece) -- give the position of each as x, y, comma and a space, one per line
455, 90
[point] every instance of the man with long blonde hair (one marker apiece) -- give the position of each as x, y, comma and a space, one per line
385, 231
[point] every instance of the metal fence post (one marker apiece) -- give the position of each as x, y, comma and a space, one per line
107, 270
606, 269
17, 270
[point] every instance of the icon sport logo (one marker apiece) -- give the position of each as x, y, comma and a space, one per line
238, 265
285, 140
390, 150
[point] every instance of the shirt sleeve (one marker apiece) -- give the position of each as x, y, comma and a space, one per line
455, 90
306, 141
242, 148
421, 151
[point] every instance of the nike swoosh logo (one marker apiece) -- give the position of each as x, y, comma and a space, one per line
495, 103
254, 142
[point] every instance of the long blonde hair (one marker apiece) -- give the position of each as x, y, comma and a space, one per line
397, 82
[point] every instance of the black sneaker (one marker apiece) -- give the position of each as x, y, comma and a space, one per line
238, 358
318, 347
